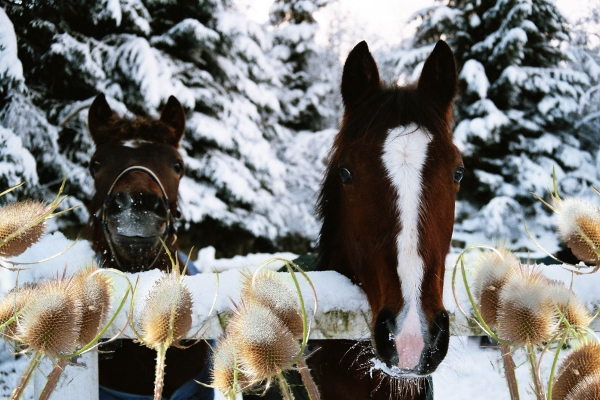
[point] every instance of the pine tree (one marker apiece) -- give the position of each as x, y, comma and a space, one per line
584, 52
308, 72
139, 52
515, 113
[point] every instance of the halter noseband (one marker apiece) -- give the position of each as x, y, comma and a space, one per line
101, 213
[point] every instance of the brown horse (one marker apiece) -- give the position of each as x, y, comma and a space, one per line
136, 170
387, 207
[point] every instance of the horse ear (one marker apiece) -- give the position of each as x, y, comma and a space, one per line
174, 116
100, 116
438, 79
360, 78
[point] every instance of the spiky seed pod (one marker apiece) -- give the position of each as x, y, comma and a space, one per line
582, 362
168, 298
587, 389
272, 292
224, 361
577, 217
526, 314
15, 217
95, 289
576, 314
265, 345
12, 303
51, 320
493, 270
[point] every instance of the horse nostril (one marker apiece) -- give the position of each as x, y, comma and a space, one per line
439, 332
152, 202
383, 337
120, 201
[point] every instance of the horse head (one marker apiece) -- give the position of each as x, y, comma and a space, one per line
136, 169
387, 204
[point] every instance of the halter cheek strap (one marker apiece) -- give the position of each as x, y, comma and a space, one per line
101, 213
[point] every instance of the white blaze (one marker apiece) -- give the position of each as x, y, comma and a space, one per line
404, 155
134, 143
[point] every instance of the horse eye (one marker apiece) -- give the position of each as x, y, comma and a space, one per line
178, 168
95, 167
458, 174
346, 176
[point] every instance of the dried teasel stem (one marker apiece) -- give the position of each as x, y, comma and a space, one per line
535, 373
309, 383
509, 371
52, 379
284, 387
35, 360
161, 355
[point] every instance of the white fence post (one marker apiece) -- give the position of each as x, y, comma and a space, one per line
77, 382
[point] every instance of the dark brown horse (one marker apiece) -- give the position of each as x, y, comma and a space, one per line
136, 170
387, 207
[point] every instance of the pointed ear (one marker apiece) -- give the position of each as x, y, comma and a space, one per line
174, 116
100, 117
361, 77
438, 79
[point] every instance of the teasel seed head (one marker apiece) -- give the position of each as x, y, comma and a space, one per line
494, 269
13, 302
224, 361
272, 292
51, 319
168, 298
265, 345
582, 362
95, 290
576, 218
576, 314
18, 216
527, 314
587, 389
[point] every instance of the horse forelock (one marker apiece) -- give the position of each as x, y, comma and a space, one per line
144, 129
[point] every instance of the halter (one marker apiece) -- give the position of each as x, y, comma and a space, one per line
101, 213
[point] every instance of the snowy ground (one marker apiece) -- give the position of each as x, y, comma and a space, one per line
469, 372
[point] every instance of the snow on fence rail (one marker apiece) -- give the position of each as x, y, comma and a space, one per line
342, 313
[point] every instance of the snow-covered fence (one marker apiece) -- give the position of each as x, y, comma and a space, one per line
342, 313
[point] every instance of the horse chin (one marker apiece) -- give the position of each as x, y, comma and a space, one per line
136, 253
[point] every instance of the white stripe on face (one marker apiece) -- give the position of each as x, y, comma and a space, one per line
404, 155
134, 143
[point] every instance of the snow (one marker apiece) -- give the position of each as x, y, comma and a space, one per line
11, 69
17, 164
473, 73
468, 371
